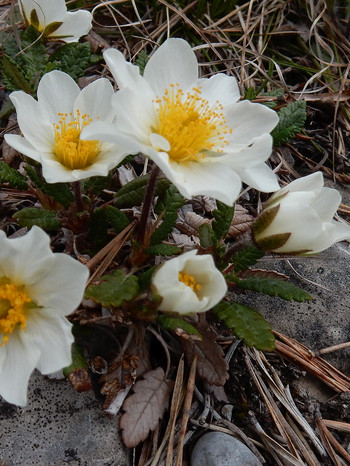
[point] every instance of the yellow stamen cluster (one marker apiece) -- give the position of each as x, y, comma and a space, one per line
70, 150
190, 281
190, 124
13, 301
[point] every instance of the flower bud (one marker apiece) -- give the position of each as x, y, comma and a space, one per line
298, 219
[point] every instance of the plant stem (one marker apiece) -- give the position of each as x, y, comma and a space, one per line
78, 197
147, 204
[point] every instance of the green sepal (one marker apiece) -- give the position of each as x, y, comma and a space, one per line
163, 250
141, 61
273, 242
33, 19
113, 289
206, 236
173, 324
247, 324
246, 257
12, 177
52, 27
223, 215
273, 287
167, 205
45, 219
291, 121
78, 360
264, 220
132, 193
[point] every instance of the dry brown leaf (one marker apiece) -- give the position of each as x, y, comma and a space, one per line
80, 380
211, 364
145, 407
191, 223
261, 273
241, 221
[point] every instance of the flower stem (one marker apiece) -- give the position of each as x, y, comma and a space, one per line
147, 203
78, 197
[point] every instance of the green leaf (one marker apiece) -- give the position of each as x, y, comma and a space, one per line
12, 177
167, 205
44, 219
162, 250
60, 192
247, 324
223, 215
132, 193
72, 58
273, 287
141, 61
246, 257
175, 324
96, 184
291, 121
116, 218
102, 220
78, 360
13, 76
206, 235
146, 277
114, 289
7, 109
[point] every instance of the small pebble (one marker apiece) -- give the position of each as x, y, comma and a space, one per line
218, 449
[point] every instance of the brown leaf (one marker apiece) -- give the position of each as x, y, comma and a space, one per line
211, 364
241, 221
191, 223
145, 407
80, 380
263, 274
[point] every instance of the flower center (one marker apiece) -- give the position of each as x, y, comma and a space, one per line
70, 150
190, 281
13, 308
190, 124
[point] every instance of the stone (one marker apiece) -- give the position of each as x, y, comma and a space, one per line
219, 449
59, 426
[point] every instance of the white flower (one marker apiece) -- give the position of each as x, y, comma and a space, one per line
196, 130
189, 283
298, 219
51, 18
37, 289
51, 128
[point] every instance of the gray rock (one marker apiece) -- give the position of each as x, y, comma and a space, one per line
218, 449
58, 426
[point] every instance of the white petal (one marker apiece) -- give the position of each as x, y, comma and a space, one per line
248, 121
48, 11
220, 87
159, 143
63, 288
260, 177
333, 233
33, 124
52, 335
75, 25
195, 178
326, 203
95, 100
18, 364
57, 92
27, 258
173, 62
254, 154
23, 146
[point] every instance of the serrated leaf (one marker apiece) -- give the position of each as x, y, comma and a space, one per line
141, 61
96, 184
72, 58
146, 277
13, 76
177, 325
246, 257
168, 205
241, 222
113, 289
223, 215
12, 177
163, 250
7, 109
144, 409
273, 287
247, 324
132, 193
291, 121
45, 219
116, 218
102, 219
206, 236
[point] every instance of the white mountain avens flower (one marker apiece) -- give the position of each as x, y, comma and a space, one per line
51, 128
197, 131
37, 289
188, 283
51, 18
298, 219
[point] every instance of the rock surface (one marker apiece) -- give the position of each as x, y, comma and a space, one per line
218, 449
58, 426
